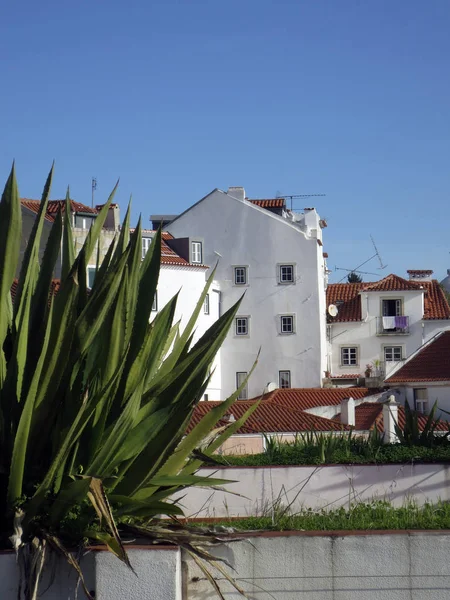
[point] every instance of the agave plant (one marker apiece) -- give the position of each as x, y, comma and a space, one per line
95, 399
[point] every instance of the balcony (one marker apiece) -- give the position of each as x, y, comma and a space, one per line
393, 325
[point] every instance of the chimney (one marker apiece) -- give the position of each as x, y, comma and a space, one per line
112, 220
236, 192
390, 419
420, 275
348, 412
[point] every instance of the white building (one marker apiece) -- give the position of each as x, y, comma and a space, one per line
425, 377
177, 274
381, 324
275, 256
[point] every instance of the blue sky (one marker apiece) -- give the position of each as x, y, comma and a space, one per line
346, 98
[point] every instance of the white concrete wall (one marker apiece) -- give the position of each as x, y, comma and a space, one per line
316, 488
190, 282
439, 391
324, 566
157, 576
245, 235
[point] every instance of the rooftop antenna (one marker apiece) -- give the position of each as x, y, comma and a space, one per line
377, 254
355, 270
94, 187
292, 196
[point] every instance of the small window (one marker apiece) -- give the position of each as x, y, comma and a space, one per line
145, 245
84, 223
287, 324
349, 356
240, 275
197, 252
240, 378
155, 302
421, 399
241, 325
284, 378
206, 305
91, 271
392, 353
286, 274
205, 397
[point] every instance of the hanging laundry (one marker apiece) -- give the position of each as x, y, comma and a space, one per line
389, 322
401, 322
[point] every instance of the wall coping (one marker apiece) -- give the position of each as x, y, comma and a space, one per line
311, 466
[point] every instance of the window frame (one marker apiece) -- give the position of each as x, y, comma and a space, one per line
284, 387
281, 326
196, 244
90, 269
349, 363
243, 395
243, 318
245, 272
146, 242
155, 302
422, 401
282, 266
392, 347
206, 305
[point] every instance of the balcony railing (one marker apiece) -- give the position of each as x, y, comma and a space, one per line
393, 325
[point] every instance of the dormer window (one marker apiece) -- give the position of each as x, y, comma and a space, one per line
196, 252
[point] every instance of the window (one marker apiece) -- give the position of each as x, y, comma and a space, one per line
284, 379
145, 245
155, 302
392, 308
84, 223
205, 397
206, 305
196, 252
349, 356
241, 325
286, 274
240, 275
91, 271
240, 378
287, 324
421, 399
392, 353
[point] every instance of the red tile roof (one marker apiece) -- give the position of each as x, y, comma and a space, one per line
269, 202
55, 285
346, 376
420, 271
346, 296
304, 398
54, 206
269, 418
391, 283
432, 363
370, 414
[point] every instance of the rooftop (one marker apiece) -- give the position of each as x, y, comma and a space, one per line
347, 297
431, 363
55, 205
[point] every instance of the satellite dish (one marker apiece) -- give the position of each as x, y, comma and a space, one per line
270, 387
333, 310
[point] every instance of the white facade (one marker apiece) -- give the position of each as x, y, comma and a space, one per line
374, 345
242, 235
190, 281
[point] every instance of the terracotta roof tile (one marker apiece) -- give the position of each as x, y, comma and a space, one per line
346, 296
33, 205
269, 418
304, 398
55, 285
269, 202
420, 271
432, 363
55, 205
370, 414
347, 376
391, 283
169, 256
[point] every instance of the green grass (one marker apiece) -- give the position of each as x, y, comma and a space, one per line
373, 516
340, 450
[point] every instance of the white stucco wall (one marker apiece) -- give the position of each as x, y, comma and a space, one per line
245, 235
190, 282
363, 334
316, 488
327, 566
437, 391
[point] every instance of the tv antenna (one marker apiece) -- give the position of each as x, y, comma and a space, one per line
355, 270
292, 196
94, 187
